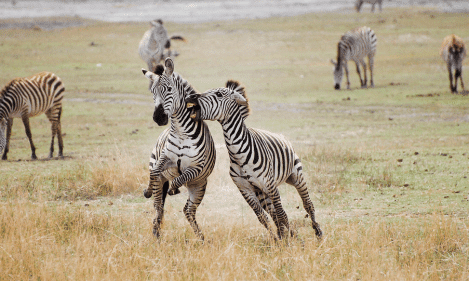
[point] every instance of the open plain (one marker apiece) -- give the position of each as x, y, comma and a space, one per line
387, 167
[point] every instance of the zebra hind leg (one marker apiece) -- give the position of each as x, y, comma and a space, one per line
196, 194
160, 198
297, 180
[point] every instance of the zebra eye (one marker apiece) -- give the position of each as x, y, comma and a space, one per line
218, 94
170, 89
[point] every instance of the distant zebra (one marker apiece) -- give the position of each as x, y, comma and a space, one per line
260, 160
153, 44
453, 52
355, 45
184, 153
359, 3
29, 97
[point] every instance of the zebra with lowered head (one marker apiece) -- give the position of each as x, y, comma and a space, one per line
260, 160
355, 45
359, 3
153, 44
184, 153
28, 97
453, 52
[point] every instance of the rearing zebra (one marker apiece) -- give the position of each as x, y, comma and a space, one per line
153, 44
453, 52
260, 160
184, 153
359, 3
355, 45
29, 97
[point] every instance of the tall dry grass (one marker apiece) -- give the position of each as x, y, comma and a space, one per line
50, 241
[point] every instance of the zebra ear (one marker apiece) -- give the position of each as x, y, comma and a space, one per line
333, 62
169, 67
150, 75
237, 97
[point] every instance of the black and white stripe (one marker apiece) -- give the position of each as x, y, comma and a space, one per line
184, 153
260, 160
355, 45
453, 52
28, 97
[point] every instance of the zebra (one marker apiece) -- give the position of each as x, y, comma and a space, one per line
184, 153
453, 52
153, 44
355, 45
260, 160
359, 3
29, 97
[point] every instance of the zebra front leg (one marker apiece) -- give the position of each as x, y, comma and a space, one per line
27, 128
359, 75
186, 176
283, 225
255, 205
346, 75
7, 144
297, 180
196, 194
155, 174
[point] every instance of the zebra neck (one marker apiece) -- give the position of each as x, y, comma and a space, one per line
181, 123
237, 136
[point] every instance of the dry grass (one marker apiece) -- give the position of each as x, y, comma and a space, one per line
102, 242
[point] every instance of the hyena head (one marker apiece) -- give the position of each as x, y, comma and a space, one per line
164, 91
219, 104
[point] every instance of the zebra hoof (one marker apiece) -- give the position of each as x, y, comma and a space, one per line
174, 191
147, 193
318, 231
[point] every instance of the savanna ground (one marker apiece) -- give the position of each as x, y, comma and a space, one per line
387, 167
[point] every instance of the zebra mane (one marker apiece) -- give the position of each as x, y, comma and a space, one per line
235, 86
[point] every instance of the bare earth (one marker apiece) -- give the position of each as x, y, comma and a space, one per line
187, 11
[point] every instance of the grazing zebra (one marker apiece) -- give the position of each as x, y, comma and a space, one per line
453, 52
260, 160
355, 45
153, 44
184, 153
29, 97
359, 3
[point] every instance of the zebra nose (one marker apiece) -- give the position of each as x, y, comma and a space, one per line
337, 87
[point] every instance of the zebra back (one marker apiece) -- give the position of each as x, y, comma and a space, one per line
33, 95
356, 44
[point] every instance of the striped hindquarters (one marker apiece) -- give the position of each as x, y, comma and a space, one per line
357, 43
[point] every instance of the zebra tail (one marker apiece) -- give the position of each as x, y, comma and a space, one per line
178, 37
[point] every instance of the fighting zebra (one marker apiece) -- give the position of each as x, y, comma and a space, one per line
260, 160
29, 97
359, 3
184, 153
153, 44
453, 52
355, 45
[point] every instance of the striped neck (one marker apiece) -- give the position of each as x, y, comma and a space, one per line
236, 134
181, 123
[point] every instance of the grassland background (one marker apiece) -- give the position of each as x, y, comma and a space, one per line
387, 167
